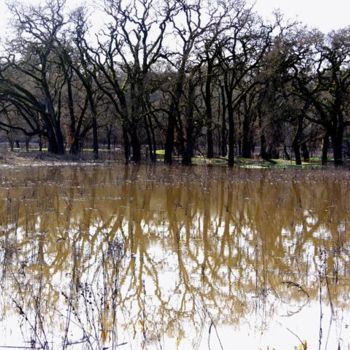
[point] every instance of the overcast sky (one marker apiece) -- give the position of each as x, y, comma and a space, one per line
323, 14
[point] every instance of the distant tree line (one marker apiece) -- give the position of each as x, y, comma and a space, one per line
185, 77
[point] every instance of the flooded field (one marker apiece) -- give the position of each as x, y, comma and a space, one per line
174, 258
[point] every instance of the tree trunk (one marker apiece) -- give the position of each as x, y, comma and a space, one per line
188, 150
286, 154
173, 116
149, 140
52, 145
126, 145
153, 138
60, 141
94, 138
306, 153
296, 149
223, 125
27, 143
11, 141
325, 146
231, 137
272, 152
169, 142
348, 149
75, 147
337, 141
246, 138
209, 112
40, 143
109, 137
296, 141
55, 141
135, 145
210, 145
94, 130
263, 151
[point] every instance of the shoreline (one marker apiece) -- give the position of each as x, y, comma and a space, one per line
39, 159
36, 159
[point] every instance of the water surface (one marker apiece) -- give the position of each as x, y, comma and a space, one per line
174, 258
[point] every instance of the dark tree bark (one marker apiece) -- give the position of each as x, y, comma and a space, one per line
305, 151
337, 135
151, 149
109, 137
297, 141
135, 145
126, 145
325, 146
223, 124
188, 150
170, 137
297, 154
247, 140
263, 147
286, 154
209, 110
231, 135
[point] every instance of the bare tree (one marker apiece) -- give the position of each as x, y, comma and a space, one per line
241, 57
322, 77
127, 50
191, 23
31, 55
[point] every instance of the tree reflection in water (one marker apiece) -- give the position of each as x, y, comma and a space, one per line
174, 257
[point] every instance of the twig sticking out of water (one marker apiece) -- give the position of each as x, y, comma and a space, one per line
321, 314
303, 343
212, 324
22, 313
209, 334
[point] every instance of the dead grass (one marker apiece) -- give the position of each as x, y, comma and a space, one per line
32, 158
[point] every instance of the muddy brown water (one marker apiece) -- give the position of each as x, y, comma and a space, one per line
174, 258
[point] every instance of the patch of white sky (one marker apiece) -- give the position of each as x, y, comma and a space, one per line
322, 14
326, 15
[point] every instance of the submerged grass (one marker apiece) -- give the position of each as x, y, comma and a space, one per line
259, 163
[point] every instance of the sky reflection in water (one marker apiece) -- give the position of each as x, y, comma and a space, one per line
174, 258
